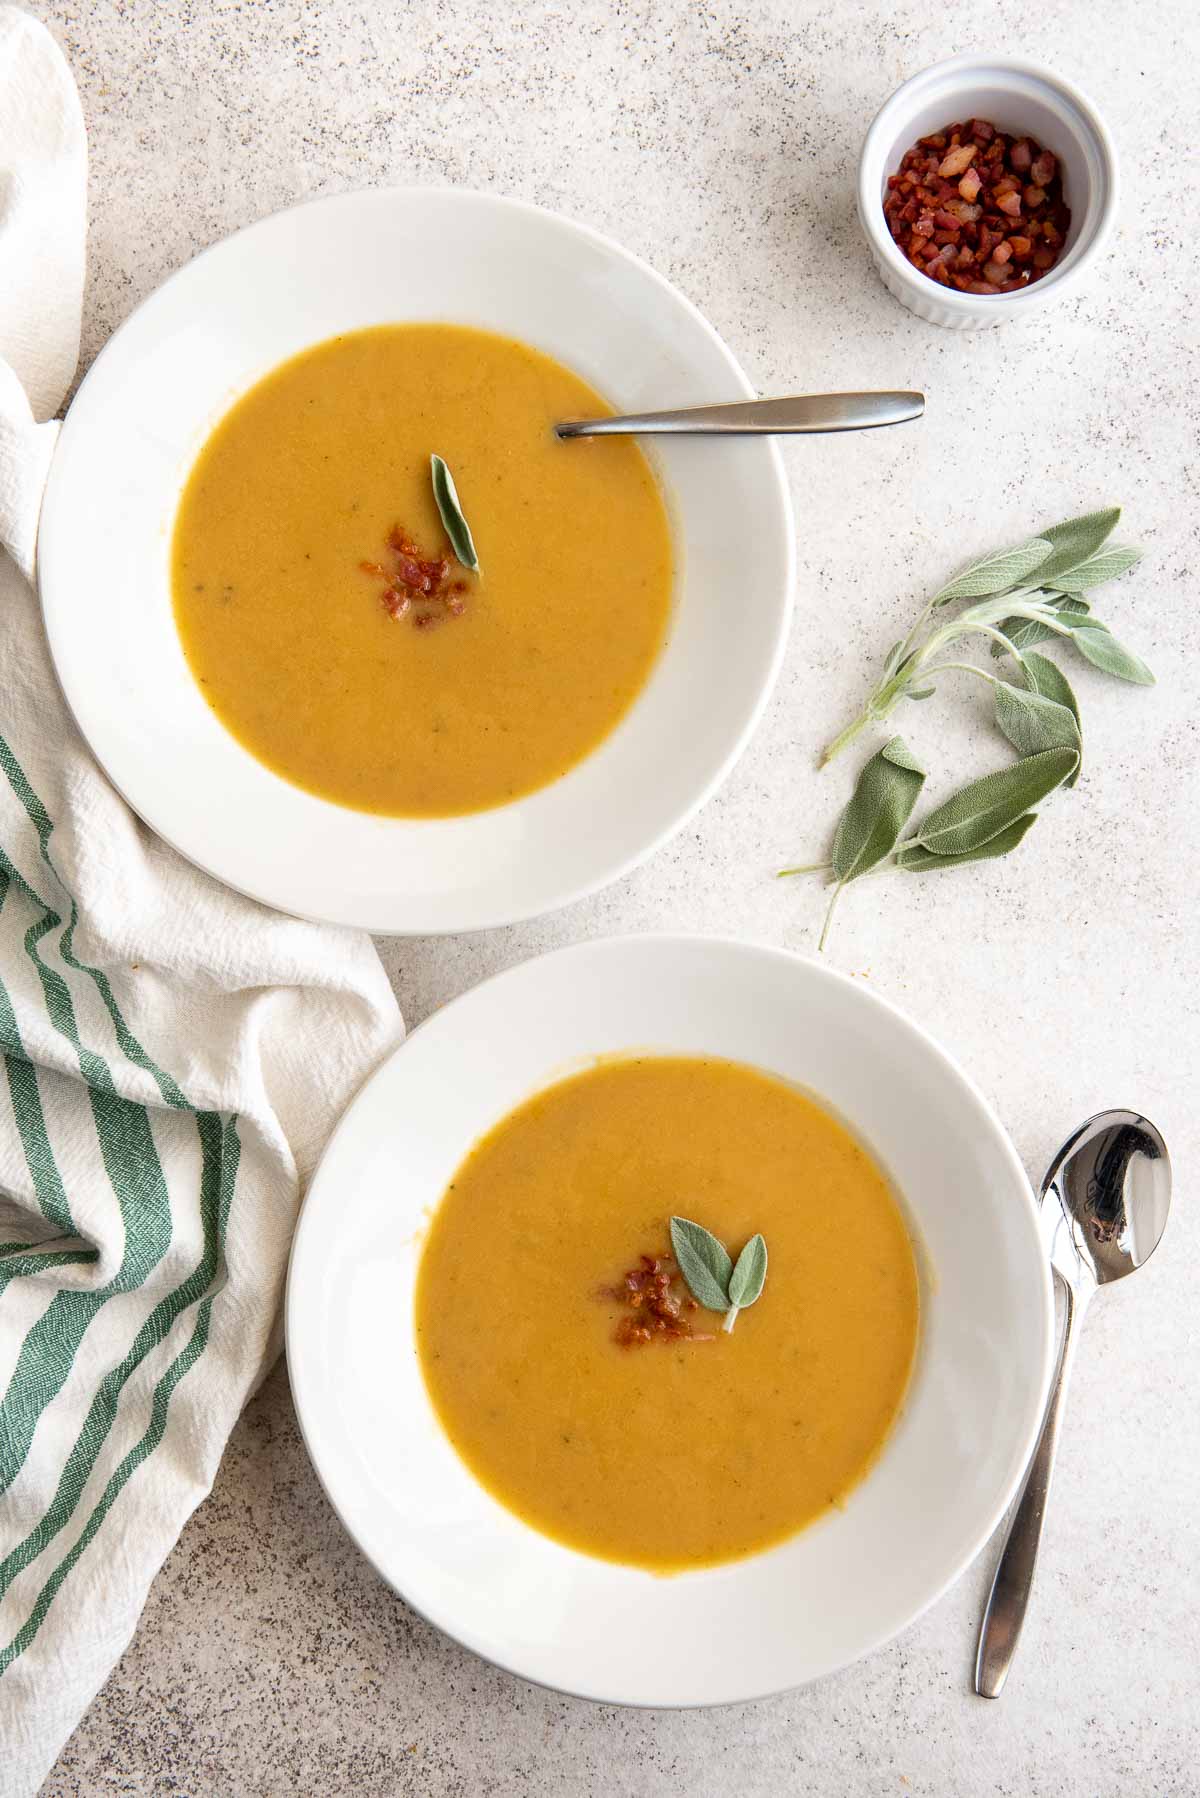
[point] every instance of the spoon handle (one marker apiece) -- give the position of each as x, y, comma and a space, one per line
1008, 1600
756, 418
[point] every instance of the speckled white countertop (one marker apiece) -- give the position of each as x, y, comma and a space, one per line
718, 140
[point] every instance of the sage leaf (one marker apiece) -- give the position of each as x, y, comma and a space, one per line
1074, 540
1105, 565
996, 573
1097, 643
1032, 722
879, 808
1052, 683
984, 808
703, 1263
453, 517
746, 1280
918, 860
1021, 632
919, 692
892, 660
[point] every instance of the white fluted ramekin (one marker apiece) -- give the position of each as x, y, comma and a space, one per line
1015, 96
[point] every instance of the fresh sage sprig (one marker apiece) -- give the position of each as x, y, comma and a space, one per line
1023, 596
453, 517
882, 803
986, 818
1027, 595
715, 1281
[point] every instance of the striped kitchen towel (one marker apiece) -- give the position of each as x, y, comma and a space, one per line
173, 1058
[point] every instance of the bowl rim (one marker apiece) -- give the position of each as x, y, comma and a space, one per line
293, 1323
54, 522
1059, 280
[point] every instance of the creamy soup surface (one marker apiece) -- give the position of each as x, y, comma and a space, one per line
673, 1452
305, 480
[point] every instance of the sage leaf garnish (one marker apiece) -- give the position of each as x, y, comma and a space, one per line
713, 1280
453, 517
746, 1280
918, 860
981, 810
703, 1262
996, 573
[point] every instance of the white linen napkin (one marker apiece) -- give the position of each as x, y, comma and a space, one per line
173, 1059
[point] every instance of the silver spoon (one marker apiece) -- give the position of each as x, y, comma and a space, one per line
758, 418
1110, 1185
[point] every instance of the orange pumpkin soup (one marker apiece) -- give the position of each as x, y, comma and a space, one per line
680, 1444
322, 610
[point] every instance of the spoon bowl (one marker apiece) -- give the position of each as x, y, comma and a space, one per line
1112, 1183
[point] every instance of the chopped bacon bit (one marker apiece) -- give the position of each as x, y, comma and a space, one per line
417, 577
956, 161
657, 1302
421, 574
967, 205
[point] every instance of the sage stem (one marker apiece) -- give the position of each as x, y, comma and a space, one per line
964, 668
829, 918
845, 739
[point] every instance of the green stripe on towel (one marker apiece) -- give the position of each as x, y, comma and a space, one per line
182, 1363
128, 1154
215, 1200
44, 827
